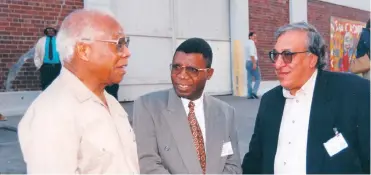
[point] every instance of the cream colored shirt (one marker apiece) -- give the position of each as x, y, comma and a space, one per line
68, 130
199, 112
291, 152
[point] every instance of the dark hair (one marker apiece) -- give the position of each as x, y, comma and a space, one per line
368, 24
315, 42
46, 30
251, 34
197, 45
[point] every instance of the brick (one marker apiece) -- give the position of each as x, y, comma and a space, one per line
21, 25
265, 17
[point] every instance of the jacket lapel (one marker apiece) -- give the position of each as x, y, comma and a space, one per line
215, 131
321, 123
275, 110
179, 127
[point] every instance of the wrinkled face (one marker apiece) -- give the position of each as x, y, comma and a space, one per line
107, 59
294, 75
189, 74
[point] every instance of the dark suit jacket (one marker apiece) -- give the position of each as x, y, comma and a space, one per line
340, 100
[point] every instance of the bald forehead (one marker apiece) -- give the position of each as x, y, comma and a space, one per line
100, 21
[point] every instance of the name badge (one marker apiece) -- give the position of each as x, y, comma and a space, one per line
335, 144
227, 149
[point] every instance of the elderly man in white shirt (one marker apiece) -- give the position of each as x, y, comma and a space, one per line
74, 126
252, 67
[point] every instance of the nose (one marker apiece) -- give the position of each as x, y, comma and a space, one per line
279, 62
183, 74
124, 52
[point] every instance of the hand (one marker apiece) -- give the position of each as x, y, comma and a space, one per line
254, 66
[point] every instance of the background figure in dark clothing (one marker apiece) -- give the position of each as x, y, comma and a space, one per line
47, 58
113, 90
363, 46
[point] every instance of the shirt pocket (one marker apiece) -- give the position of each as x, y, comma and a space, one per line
94, 158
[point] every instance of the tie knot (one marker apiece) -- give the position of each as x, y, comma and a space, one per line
191, 105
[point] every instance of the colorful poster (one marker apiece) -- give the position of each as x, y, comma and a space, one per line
344, 38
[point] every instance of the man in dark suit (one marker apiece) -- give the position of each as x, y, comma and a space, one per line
314, 122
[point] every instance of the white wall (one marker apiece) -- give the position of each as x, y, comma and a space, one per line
156, 28
298, 11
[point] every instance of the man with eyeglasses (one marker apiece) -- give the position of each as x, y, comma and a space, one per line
75, 126
315, 122
183, 130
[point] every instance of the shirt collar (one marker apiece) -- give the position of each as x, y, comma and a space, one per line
82, 93
198, 102
307, 88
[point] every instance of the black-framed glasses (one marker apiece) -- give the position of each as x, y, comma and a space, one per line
123, 41
286, 55
191, 71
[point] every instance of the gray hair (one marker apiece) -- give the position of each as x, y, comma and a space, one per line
74, 30
315, 43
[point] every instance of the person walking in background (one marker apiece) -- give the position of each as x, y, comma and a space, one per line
252, 66
46, 57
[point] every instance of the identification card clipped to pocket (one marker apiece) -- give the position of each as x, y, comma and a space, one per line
227, 149
335, 144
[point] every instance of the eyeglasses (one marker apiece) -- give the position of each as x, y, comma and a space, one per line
191, 71
286, 55
119, 42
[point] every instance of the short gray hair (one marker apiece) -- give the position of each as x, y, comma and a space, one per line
315, 43
73, 31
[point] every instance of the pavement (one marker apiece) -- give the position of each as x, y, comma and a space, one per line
11, 160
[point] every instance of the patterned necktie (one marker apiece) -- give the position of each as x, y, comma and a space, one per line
198, 140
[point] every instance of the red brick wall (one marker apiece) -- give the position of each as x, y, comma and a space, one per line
265, 17
21, 25
319, 14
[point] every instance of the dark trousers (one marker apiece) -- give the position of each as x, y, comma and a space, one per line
48, 72
113, 90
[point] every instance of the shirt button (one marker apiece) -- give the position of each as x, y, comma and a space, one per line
289, 143
297, 101
293, 121
284, 163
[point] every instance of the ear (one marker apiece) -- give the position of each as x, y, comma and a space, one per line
313, 60
210, 73
83, 51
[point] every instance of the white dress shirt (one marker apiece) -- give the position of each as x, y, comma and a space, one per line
39, 52
199, 112
68, 130
292, 142
250, 50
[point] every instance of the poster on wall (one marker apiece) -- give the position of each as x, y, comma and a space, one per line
344, 38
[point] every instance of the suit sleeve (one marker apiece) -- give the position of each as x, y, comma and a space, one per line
363, 127
252, 162
149, 159
233, 162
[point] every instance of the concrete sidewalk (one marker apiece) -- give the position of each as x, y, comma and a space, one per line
11, 160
